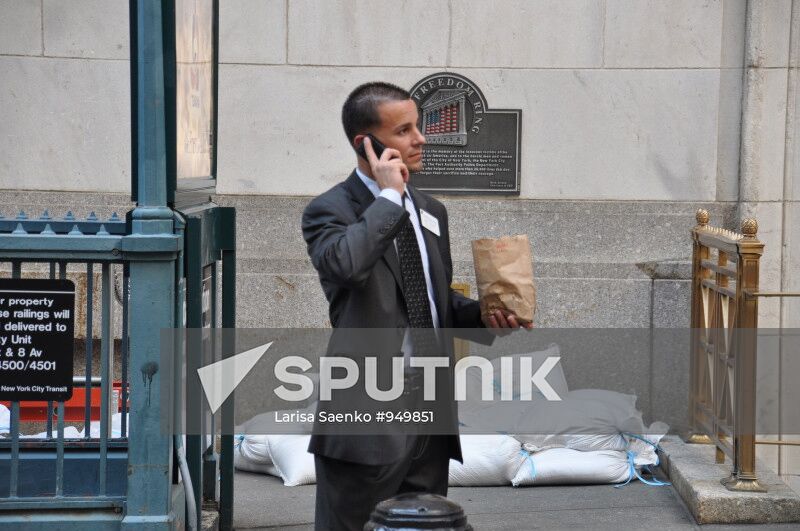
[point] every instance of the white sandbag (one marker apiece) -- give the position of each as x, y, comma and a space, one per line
563, 466
263, 450
488, 460
493, 417
255, 448
586, 420
116, 426
70, 432
473, 380
268, 423
243, 459
585, 442
477, 416
644, 446
5, 419
291, 457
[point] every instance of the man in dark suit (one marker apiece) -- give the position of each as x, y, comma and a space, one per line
382, 250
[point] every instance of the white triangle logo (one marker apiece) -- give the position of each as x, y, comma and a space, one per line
221, 378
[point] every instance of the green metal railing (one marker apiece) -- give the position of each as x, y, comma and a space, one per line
161, 255
65, 490
84, 482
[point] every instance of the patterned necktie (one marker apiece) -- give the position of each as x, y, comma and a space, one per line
415, 289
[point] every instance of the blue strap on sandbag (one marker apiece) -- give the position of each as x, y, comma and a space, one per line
239, 439
633, 473
651, 443
529, 457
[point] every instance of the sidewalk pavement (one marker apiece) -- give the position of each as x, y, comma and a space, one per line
262, 502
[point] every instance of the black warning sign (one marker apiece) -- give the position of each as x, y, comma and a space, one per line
37, 320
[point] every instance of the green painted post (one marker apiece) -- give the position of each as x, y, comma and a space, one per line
152, 276
228, 245
194, 350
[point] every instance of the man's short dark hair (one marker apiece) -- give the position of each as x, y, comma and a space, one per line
360, 110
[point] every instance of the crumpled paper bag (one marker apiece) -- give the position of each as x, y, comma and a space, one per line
504, 274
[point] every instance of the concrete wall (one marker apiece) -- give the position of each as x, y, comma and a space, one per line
64, 95
621, 100
639, 80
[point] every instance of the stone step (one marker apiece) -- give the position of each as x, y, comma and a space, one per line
696, 477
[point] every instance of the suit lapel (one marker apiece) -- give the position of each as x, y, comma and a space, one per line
435, 264
363, 198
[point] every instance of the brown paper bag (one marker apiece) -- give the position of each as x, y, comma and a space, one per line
504, 274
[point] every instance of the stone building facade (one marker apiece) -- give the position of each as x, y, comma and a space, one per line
635, 113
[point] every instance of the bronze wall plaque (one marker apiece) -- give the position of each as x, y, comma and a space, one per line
470, 148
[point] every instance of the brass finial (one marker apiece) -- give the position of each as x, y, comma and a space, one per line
750, 227
701, 216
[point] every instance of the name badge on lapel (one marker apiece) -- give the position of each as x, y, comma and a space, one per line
429, 222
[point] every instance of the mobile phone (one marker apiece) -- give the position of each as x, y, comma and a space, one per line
377, 146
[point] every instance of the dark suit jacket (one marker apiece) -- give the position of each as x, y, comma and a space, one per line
350, 236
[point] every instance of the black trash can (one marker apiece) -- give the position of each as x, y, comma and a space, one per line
412, 510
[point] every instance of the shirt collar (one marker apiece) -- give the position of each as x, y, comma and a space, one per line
369, 183
373, 186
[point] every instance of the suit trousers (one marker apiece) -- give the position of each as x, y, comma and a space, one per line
348, 492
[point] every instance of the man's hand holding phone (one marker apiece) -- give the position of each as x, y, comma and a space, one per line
389, 171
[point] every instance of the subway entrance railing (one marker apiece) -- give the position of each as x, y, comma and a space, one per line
102, 462
118, 466
109, 456
83, 466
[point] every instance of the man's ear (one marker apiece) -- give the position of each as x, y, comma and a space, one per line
358, 140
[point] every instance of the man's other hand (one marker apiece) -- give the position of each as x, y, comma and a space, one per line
389, 171
503, 322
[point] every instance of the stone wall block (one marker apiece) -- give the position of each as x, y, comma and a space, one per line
379, 32
791, 265
612, 134
20, 27
252, 31
586, 134
763, 135
729, 129
522, 34
66, 124
770, 230
768, 33
792, 174
734, 19
652, 33
97, 29
280, 127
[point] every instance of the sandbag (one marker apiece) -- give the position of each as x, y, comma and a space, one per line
116, 427
563, 466
290, 456
70, 432
586, 420
488, 460
249, 460
266, 423
644, 446
285, 456
255, 448
5, 419
473, 378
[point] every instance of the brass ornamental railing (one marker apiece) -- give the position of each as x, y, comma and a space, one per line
724, 320
725, 275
